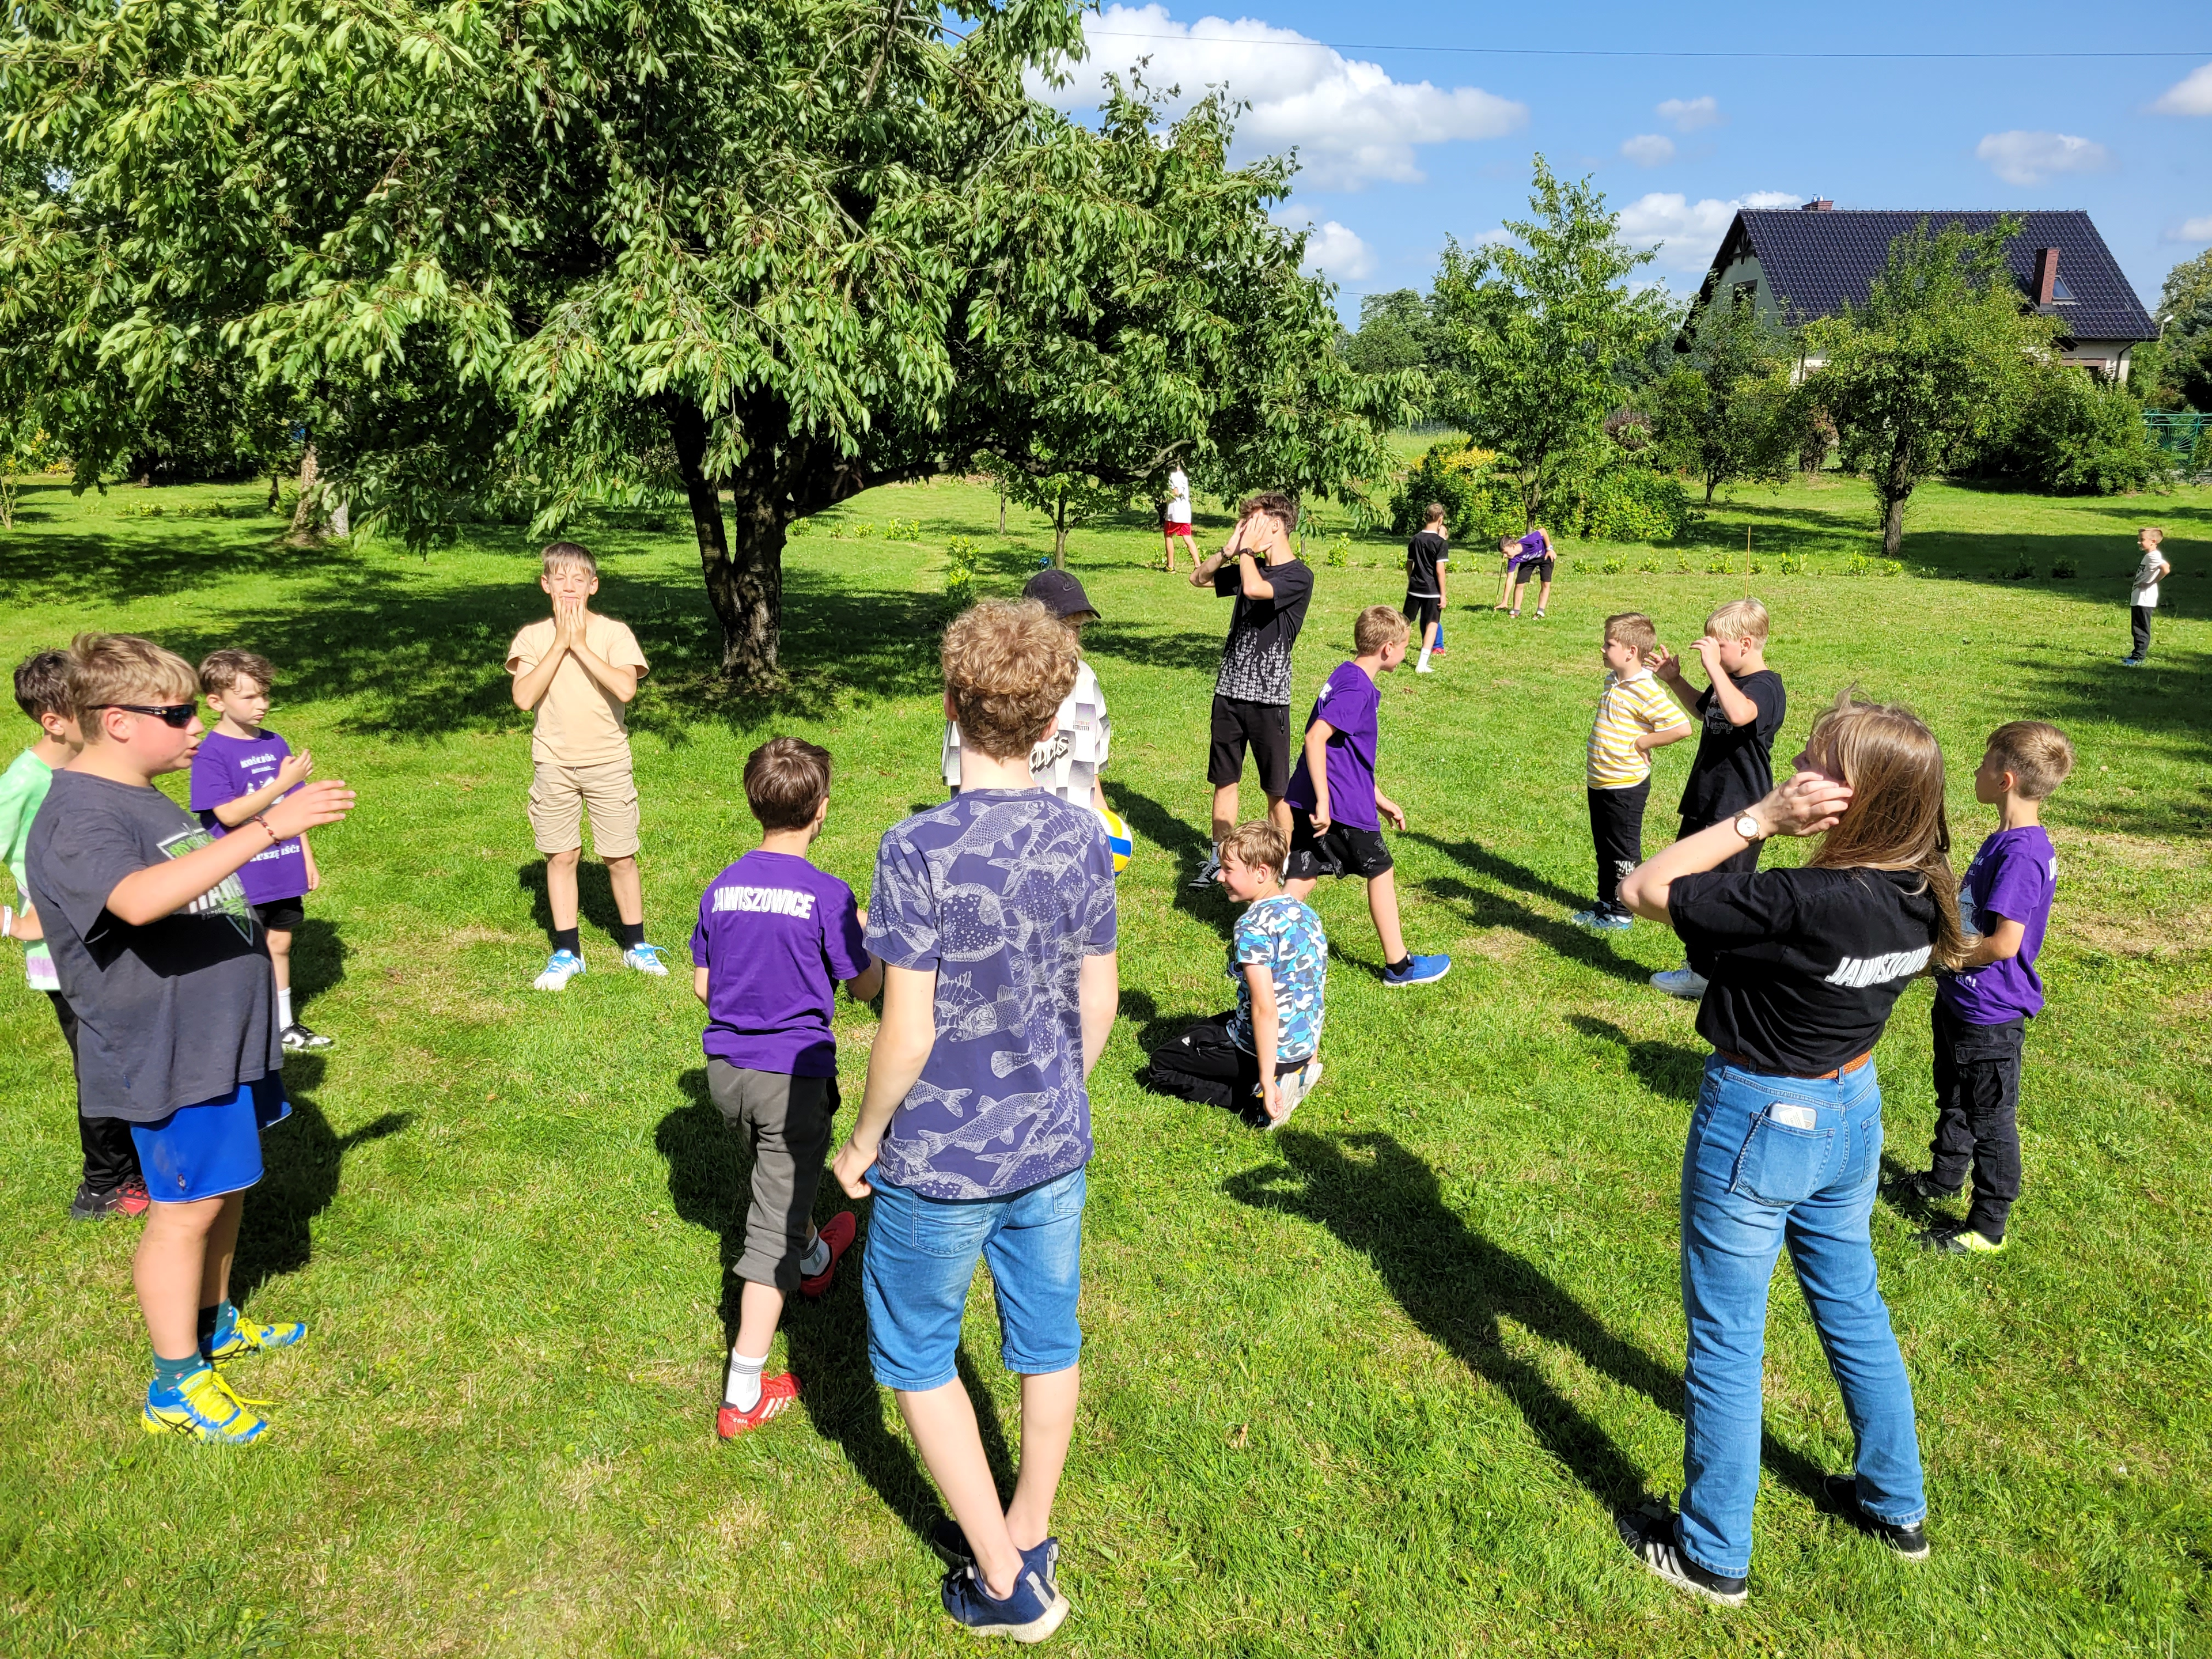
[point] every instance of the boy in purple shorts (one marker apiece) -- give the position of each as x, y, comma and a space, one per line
774, 936
1982, 1010
167, 969
993, 917
1337, 811
243, 768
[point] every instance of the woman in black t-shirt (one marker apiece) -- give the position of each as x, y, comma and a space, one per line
1785, 1144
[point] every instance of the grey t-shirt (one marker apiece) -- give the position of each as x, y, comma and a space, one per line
176, 1012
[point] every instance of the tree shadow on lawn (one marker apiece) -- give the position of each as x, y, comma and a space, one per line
1672, 1071
119, 560
1190, 847
301, 1161
595, 896
1460, 1288
1194, 650
825, 1342
319, 957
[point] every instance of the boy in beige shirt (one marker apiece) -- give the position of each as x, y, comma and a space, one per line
577, 670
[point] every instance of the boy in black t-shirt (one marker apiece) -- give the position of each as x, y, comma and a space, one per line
1738, 714
1427, 556
1252, 692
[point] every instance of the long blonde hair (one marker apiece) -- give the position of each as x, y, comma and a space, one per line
1894, 766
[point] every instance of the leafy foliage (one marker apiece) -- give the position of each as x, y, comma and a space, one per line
2075, 435
1730, 413
1936, 363
1480, 503
1397, 332
2175, 370
1541, 329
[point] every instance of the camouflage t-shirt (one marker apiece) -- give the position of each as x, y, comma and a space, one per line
1285, 935
176, 1012
1003, 892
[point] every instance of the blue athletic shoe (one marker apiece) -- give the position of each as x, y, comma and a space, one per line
2131, 662
1604, 922
1032, 1612
1417, 970
560, 967
951, 1543
645, 958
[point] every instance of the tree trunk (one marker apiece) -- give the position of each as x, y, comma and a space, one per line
1892, 526
745, 585
1710, 482
1060, 533
1002, 513
307, 512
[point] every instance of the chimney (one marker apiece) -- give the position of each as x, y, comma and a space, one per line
2046, 274
1817, 205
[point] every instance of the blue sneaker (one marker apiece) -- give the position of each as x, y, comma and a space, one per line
560, 967
1604, 922
2131, 662
645, 958
1417, 970
951, 1543
1032, 1612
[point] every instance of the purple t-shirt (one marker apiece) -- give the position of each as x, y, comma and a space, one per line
1349, 702
227, 767
774, 936
1534, 545
2012, 878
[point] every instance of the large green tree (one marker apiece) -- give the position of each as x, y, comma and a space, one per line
585, 251
1542, 329
1727, 413
2176, 368
1936, 363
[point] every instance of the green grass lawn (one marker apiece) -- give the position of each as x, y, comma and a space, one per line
1373, 1385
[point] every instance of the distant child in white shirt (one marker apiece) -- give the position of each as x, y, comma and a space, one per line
1175, 519
1067, 763
2142, 598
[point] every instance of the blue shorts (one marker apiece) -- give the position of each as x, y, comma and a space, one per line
213, 1148
921, 1258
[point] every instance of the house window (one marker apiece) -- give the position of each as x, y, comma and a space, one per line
1746, 294
2060, 293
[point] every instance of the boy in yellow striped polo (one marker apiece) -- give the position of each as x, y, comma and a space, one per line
1635, 716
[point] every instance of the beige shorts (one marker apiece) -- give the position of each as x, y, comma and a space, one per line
560, 796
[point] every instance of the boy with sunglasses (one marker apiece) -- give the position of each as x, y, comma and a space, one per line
167, 970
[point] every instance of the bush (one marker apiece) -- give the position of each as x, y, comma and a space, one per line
2062, 570
903, 530
960, 572
1615, 564
1860, 564
2078, 435
1479, 506
1629, 502
1797, 564
1340, 551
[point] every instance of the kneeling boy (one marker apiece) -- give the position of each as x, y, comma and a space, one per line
774, 936
1278, 958
160, 954
1335, 826
993, 917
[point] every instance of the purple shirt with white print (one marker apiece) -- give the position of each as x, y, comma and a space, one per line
226, 767
2014, 877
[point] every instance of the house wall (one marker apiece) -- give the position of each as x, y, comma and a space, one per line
1745, 270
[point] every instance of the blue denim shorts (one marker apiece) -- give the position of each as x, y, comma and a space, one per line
213, 1148
922, 1259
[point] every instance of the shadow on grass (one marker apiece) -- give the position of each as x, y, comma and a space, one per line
1194, 650
301, 1161
595, 896
1474, 856
710, 1173
319, 959
1190, 847
1672, 1071
1461, 1289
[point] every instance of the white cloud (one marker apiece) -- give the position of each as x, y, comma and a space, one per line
1649, 149
1689, 114
1334, 249
1351, 123
1686, 233
2191, 230
2028, 158
2190, 95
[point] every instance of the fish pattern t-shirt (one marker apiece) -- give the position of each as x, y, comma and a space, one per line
1003, 892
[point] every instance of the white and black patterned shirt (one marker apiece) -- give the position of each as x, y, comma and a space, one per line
1255, 658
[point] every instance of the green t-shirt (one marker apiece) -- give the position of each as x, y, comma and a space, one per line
23, 789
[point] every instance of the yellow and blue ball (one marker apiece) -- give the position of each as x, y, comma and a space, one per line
1117, 837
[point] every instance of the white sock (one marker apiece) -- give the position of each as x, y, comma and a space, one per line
742, 1388
1424, 662
817, 1257
284, 1008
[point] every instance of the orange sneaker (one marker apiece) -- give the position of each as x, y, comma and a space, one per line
837, 1233
778, 1394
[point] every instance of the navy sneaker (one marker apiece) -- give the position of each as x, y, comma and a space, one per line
1919, 1186
1208, 874
1417, 970
1032, 1612
951, 1544
1604, 922
1841, 1491
2131, 662
1651, 1539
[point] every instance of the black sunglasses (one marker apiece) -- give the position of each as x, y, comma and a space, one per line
175, 715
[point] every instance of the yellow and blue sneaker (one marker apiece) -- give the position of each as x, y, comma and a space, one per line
234, 1336
202, 1408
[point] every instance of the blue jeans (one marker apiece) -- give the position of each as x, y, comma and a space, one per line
921, 1258
1751, 1182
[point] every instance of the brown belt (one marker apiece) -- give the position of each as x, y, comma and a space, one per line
1843, 1070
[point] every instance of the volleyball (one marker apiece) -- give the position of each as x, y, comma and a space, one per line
1117, 837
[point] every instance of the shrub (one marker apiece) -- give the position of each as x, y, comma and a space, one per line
903, 530
1615, 564
797, 528
1797, 564
1629, 502
1721, 566
2078, 435
2062, 570
1340, 551
1860, 564
1479, 506
960, 572
1650, 565
2021, 569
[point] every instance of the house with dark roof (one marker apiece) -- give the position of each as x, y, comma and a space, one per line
1798, 264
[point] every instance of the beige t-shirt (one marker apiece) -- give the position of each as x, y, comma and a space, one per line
579, 722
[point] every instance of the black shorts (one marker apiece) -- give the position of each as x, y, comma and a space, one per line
1422, 608
1343, 851
1540, 568
1204, 1066
280, 915
1265, 727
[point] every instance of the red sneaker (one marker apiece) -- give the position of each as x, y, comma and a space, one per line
777, 1395
837, 1233
133, 1199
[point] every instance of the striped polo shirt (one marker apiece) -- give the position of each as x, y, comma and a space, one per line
1625, 709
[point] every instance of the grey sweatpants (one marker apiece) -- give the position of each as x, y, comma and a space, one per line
787, 1119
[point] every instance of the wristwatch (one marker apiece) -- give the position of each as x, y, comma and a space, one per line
1747, 826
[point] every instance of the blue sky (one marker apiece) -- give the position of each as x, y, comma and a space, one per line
1401, 146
